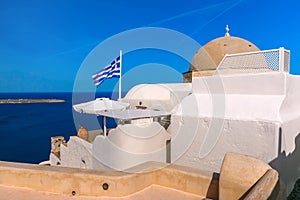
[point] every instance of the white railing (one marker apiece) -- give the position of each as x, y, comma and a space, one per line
276, 60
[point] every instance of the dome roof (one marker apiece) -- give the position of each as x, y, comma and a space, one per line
210, 55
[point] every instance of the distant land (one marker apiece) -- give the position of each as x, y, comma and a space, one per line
12, 101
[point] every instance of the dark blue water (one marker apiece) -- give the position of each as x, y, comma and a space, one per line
26, 129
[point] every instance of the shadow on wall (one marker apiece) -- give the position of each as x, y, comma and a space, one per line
288, 166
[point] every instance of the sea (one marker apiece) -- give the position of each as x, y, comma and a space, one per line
26, 128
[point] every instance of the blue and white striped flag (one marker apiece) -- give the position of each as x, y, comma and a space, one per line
110, 71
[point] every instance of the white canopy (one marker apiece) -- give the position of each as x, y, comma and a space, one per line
114, 109
99, 105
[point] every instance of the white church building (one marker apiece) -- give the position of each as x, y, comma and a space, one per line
235, 98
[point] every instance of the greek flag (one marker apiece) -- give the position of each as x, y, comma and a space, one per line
110, 71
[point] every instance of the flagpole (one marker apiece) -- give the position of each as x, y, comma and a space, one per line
120, 80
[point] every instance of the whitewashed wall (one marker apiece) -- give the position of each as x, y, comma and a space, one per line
253, 114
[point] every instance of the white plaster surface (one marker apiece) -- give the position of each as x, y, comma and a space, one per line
158, 96
77, 153
258, 84
253, 114
131, 144
253, 138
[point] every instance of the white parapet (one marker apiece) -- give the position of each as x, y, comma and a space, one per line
131, 144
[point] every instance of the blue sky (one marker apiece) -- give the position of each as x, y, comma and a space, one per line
44, 43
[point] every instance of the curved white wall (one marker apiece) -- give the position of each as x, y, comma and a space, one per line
130, 144
158, 96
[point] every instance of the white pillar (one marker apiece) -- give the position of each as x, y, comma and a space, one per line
104, 126
281, 59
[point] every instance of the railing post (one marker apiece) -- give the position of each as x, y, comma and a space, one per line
281, 59
216, 71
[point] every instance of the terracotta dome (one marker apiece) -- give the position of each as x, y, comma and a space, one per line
210, 55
